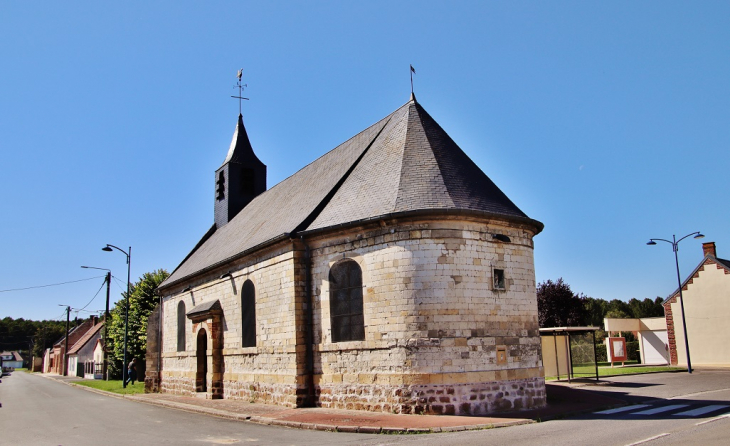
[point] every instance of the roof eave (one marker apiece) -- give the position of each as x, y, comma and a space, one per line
272, 241
538, 226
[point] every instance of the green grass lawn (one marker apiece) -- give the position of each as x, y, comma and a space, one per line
114, 386
604, 369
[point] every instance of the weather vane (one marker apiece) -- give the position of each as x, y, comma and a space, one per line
413, 71
240, 87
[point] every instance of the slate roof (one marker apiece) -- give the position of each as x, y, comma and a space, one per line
403, 163
240, 150
725, 263
205, 307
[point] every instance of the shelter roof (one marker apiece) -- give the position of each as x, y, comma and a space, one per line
551, 330
403, 163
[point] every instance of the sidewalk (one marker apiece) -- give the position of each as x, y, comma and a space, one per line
563, 400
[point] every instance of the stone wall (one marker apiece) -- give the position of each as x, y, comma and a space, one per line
152, 358
433, 319
265, 373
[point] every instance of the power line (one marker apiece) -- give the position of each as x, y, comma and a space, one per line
119, 284
46, 286
92, 299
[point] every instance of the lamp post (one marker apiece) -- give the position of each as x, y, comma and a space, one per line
108, 248
105, 371
674, 242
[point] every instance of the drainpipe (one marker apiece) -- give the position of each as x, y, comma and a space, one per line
309, 325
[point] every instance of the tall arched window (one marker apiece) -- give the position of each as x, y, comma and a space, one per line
346, 313
181, 326
248, 315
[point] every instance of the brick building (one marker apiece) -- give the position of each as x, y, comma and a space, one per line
57, 355
391, 274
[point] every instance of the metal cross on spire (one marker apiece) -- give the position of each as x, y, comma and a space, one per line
240, 87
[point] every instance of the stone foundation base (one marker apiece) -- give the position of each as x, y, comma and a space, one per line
177, 385
281, 394
440, 399
454, 399
185, 386
151, 382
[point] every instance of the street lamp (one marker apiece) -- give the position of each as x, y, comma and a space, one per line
106, 316
674, 242
108, 248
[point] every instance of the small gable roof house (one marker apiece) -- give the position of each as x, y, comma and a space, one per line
390, 274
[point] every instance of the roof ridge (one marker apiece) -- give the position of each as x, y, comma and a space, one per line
327, 198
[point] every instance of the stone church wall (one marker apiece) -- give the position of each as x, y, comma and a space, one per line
265, 373
434, 321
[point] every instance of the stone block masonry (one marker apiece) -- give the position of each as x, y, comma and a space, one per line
433, 319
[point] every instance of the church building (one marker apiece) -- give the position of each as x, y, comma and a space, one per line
390, 274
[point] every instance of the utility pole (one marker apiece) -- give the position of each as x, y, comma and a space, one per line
105, 366
65, 350
106, 326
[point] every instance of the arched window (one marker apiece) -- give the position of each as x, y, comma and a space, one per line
346, 302
248, 315
181, 326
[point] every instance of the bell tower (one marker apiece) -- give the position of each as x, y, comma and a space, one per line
242, 176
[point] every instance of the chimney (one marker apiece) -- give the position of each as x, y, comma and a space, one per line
709, 248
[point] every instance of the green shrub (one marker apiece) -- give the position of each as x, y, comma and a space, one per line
632, 351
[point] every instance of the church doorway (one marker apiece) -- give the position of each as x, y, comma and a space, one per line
201, 375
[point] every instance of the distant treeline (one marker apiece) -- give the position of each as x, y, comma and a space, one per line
558, 306
22, 334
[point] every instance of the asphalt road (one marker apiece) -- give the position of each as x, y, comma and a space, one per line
41, 411
667, 409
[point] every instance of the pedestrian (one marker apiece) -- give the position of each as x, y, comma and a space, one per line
132, 371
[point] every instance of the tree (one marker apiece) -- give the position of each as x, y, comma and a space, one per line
647, 307
142, 301
595, 311
557, 306
20, 334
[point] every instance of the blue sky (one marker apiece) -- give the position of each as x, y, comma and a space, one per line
608, 122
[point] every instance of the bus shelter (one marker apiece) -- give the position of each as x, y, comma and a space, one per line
569, 352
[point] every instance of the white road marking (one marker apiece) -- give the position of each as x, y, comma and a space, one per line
646, 440
712, 419
697, 393
700, 411
661, 409
622, 409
